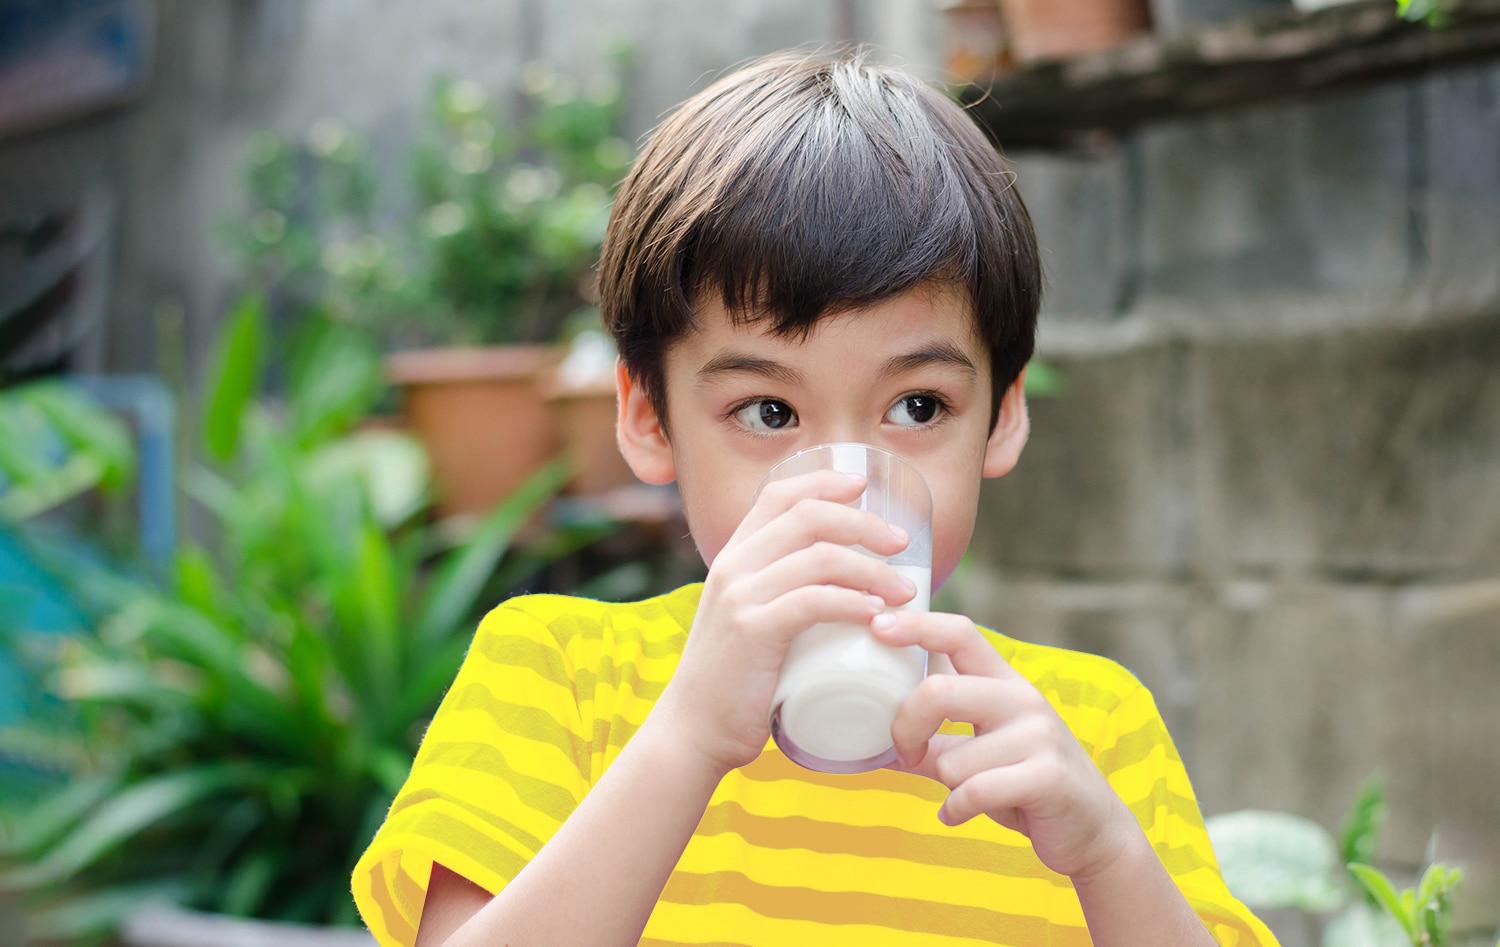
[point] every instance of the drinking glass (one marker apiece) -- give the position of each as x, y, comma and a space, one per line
839, 687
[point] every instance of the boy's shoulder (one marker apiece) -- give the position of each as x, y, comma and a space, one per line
567, 617
1073, 677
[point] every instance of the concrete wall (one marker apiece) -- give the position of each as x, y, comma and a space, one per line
1272, 487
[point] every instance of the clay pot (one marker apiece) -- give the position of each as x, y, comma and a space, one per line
482, 416
974, 46
586, 418
1053, 29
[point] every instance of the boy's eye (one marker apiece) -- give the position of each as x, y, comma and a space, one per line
914, 409
766, 415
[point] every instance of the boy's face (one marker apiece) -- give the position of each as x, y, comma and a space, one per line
909, 375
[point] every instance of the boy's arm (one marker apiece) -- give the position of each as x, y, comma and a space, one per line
597, 879
789, 565
1025, 769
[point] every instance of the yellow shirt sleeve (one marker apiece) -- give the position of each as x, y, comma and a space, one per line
1138, 757
503, 764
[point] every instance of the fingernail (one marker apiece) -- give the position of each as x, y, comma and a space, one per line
885, 621
908, 581
876, 602
944, 817
900, 533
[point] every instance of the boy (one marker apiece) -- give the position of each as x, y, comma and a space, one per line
807, 251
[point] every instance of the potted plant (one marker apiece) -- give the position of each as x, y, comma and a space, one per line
476, 287
229, 738
1053, 29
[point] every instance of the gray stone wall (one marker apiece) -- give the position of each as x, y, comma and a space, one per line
1272, 486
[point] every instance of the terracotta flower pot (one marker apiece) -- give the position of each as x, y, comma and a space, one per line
974, 40
482, 416
586, 417
1051, 29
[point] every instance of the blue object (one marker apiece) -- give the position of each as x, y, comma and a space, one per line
147, 402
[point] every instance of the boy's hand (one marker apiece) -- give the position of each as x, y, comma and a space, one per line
1023, 767
786, 568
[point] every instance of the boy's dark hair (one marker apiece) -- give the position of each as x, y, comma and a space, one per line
804, 186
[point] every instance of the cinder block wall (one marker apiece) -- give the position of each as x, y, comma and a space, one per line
1272, 486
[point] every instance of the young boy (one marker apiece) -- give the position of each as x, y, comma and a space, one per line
808, 251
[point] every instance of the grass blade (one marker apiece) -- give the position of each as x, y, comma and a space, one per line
235, 368
1380, 888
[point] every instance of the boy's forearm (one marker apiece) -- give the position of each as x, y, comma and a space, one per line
597, 880
1133, 902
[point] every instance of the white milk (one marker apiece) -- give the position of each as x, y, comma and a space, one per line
839, 687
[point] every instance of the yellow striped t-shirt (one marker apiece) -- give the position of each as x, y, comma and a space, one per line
554, 686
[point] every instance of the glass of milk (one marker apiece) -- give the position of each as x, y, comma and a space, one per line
839, 688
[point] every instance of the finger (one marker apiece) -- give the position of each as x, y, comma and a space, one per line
999, 793
923, 762
829, 564
814, 521
941, 633
955, 763
985, 702
787, 616
779, 496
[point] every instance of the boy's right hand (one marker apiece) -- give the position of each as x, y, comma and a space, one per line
787, 567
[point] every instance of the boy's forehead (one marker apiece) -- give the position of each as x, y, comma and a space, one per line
912, 321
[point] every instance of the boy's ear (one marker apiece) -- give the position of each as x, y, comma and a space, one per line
643, 441
1012, 427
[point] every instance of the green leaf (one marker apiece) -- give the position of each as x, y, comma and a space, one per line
245, 890
234, 376
463, 574
1360, 834
1433, 908
390, 466
52, 818
1384, 893
120, 818
376, 586
1277, 860
1044, 380
336, 379
88, 428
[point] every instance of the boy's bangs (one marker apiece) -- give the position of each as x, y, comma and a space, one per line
830, 217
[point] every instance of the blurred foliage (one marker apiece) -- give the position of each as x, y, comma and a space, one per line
1435, 13
1273, 860
230, 738
56, 445
494, 242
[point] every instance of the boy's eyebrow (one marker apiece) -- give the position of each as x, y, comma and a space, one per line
940, 352
727, 363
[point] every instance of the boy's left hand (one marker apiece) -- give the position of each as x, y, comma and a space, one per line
1023, 767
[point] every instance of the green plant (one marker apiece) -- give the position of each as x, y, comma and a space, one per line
56, 445
1278, 860
1425, 912
1432, 12
230, 738
495, 243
